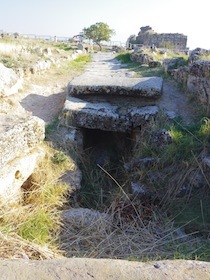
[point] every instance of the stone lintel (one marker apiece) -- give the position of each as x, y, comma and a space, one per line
105, 116
142, 87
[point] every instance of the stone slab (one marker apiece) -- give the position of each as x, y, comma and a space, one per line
104, 115
103, 269
84, 84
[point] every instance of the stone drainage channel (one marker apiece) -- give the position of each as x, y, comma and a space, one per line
105, 110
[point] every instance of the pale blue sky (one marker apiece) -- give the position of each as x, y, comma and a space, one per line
68, 17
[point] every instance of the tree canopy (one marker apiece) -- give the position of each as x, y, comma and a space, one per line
98, 32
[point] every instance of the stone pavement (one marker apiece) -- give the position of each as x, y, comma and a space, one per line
105, 75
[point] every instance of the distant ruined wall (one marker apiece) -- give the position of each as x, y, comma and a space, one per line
148, 37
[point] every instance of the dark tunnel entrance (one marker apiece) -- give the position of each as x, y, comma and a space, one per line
104, 152
107, 145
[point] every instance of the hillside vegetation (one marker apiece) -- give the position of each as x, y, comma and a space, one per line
168, 217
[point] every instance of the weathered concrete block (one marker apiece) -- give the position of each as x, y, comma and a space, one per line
142, 87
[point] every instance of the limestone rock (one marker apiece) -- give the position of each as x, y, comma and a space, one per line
18, 136
200, 69
14, 174
103, 269
105, 116
180, 74
10, 82
85, 217
197, 54
141, 87
198, 82
139, 163
173, 63
40, 66
142, 58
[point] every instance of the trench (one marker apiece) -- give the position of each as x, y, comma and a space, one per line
102, 159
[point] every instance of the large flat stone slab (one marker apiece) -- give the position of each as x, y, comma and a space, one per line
86, 84
103, 269
105, 116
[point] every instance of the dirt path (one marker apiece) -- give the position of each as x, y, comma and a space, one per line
44, 95
44, 102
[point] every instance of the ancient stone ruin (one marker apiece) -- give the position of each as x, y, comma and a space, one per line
20, 138
195, 76
148, 37
104, 106
21, 133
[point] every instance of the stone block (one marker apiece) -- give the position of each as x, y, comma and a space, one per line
198, 82
20, 151
10, 82
15, 173
149, 87
18, 136
104, 115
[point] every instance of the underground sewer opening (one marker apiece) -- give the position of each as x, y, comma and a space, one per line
106, 145
106, 149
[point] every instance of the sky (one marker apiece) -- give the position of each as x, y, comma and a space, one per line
69, 17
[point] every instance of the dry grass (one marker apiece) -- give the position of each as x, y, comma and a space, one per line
128, 231
15, 247
175, 225
29, 229
25, 53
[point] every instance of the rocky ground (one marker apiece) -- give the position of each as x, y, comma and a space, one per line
44, 97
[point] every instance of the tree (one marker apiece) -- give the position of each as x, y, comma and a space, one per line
98, 32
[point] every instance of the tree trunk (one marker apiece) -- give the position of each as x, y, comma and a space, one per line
100, 47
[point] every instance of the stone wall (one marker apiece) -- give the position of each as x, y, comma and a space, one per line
148, 37
198, 82
195, 78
